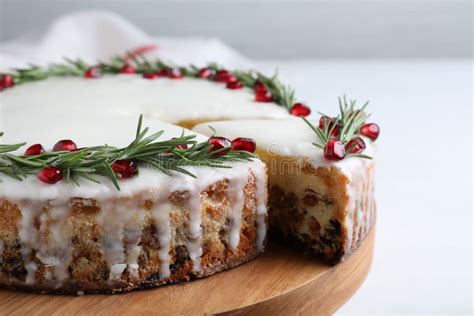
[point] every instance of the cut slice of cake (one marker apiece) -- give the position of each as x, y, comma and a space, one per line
326, 207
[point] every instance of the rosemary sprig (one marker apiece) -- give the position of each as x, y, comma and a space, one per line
145, 149
347, 124
282, 94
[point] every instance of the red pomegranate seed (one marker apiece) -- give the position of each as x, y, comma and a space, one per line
127, 69
224, 76
371, 130
65, 145
6, 81
174, 74
151, 75
246, 144
327, 121
263, 96
218, 143
235, 85
163, 73
93, 72
125, 168
205, 73
50, 175
334, 150
299, 109
259, 86
355, 146
34, 150
180, 146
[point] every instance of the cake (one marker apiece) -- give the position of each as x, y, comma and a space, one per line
102, 211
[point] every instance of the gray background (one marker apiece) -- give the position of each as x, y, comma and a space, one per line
282, 29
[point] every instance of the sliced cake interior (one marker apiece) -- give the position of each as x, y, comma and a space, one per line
323, 206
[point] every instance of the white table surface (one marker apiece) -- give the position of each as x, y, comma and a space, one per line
423, 255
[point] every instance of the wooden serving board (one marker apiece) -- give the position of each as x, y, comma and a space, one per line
280, 282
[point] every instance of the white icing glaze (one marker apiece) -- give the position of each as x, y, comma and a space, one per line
193, 243
261, 196
29, 237
54, 107
133, 236
116, 271
160, 214
121, 222
55, 250
235, 194
285, 138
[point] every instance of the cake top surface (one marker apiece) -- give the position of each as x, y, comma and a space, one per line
285, 138
165, 99
92, 128
98, 105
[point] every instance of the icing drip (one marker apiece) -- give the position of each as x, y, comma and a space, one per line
55, 250
194, 231
111, 220
120, 226
261, 196
133, 236
235, 194
360, 205
160, 215
29, 238
31, 269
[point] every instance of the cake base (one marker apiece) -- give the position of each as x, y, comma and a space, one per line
281, 281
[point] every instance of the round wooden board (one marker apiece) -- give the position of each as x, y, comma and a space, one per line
280, 282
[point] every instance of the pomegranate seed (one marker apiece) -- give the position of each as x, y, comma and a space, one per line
234, 85
205, 73
180, 146
163, 73
174, 74
329, 122
371, 130
334, 150
299, 109
263, 96
224, 76
34, 150
218, 143
93, 72
127, 69
246, 144
125, 168
65, 145
259, 86
325, 120
6, 81
355, 146
151, 75
50, 175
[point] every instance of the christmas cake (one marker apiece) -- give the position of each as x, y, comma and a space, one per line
91, 203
